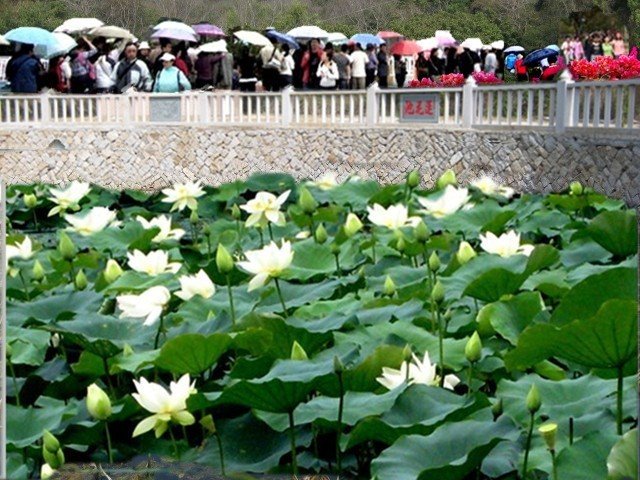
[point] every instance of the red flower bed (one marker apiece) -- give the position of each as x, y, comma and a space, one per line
483, 78
607, 68
448, 80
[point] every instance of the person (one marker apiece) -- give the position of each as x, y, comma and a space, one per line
491, 62
422, 66
578, 48
223, 74
23, 70
465, 61
567, 49
595, 47
310, 63
170, 79
182, 61
451, 64
344, 69
358, 60
131, 72
247, 67
165, 47
434, 65
401, 70
204, 70
618, 45
298, 72
522, 74
83, 73
144, 50
287, 66
104, 68
372, 64
328, 72
271, 60
383, 66
607, 48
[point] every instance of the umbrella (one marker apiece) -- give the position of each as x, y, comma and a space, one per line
537, 55
78, 25
498, 45
307, 32
472, 44
365, 39
219, 46
254, 38
208, 30
173, 25
174, 34
444, 38
428, 44
3, 41
553, 47
111, 31
64, 44
406, 48
281, 38
337, 38
30, 35
514, 49
387, 34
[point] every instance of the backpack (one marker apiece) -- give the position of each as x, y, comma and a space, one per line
510, 61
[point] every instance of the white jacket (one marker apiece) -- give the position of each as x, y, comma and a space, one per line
104, 70
328, 74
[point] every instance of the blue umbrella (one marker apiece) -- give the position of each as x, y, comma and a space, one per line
281, 38
365, 39
553, 47
537, 55
32, 36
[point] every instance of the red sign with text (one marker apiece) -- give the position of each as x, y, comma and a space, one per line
420, 107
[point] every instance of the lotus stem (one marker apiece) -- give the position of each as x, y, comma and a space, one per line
15, 380
24, 284
35, 220
619, 402
208, 248
175, 445
284, 307
109, 449
527, 447
470, 391
373, 246
231, 306
340, 412
292, 437
570, 430
261, 237
441, 346
221, 453
270, 231
105, 364
157, 340
338, 270
554, 465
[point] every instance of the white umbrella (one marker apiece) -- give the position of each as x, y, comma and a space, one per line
444, 37
63, 45
514, 49
498, 45
428, 43
472, 44
337, 38
78, 25
172, 25
219, 46
3, 41
111, 31
308, 32
254, 38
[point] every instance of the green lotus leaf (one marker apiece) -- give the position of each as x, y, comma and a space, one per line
57, 305
510, 317
192, 353
622, 462
617, 231
28, 346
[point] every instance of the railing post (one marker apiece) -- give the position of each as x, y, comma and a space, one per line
372, 104
562, 99
287, 107
45, 108
126, 101
203, 107
468, 104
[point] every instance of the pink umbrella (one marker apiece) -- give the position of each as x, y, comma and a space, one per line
208, 30
174, 34
406, 48
389, 34
445, 39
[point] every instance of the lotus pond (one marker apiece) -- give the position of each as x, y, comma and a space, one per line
269, 326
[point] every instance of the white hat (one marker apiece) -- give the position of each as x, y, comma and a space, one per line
167, 57
144, 46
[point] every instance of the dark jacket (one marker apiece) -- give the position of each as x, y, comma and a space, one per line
23, 73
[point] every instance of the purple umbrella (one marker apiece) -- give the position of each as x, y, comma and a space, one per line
174, 34
208, 30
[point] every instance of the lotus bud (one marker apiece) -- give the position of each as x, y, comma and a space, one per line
127, 350
335, 249
306, 201
422, 232
465, 253
66, 247
437, 293
533, 399
194, 218
55, 459
473, 348
81, 280
413, 179
576, 188
297, 352
9, 350
98, 403
46, 472
55, 340
447, 178
38, 271
389, 287
321, 234
406, 353
224, 260
434, 262
49, 442
30, 200
235, 212
208, 423
338, 366
352, 225
361, 272
496, 408
112, 271
401, 245
548, 432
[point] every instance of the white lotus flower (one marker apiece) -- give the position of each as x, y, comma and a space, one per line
419, 373
451, 200
96, 220
394, 217
163, 222
23, 250
69, 197
154, 263
303, 234
198, 284
489, 187
147, 305
266, 263
166, 405
326, 181
505, 245
264, 208
183, 195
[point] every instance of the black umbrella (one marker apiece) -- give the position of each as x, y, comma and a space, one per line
537, 55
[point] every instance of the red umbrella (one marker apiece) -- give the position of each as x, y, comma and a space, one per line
406, 48
388, 34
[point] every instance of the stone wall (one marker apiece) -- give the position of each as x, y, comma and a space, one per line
154, 157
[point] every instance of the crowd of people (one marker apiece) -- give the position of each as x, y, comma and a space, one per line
102, 66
